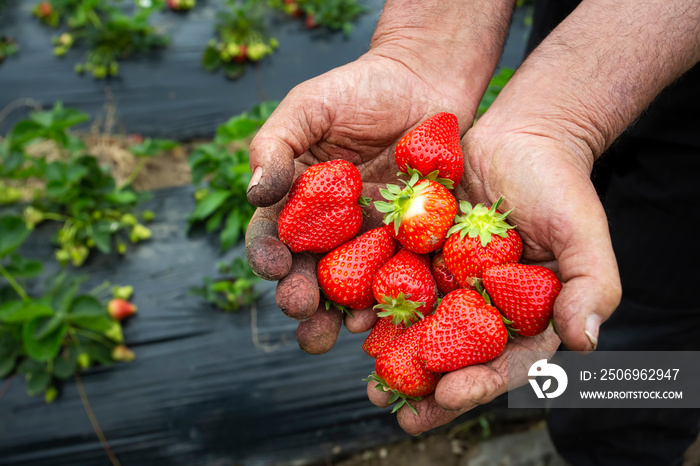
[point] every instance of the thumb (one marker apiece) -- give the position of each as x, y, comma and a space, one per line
287, 134
588, 268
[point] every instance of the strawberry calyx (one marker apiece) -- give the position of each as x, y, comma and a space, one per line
340, 307
364, 201
478, 284
401, 310
399, 200
481, 221
433, 176
512, 331
396, 396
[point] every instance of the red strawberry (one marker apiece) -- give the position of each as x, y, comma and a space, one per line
399, 370
383, 333
242, 55
310, 22
524, 294
404, 288
346, 273
323, 209
44, 9
291, 7
421, 213
463, 331
120, 309
479, 240
446, 282
433, 149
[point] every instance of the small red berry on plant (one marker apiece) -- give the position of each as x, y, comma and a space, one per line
120, 309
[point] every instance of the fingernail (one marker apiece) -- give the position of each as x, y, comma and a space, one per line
257, 174
591, 331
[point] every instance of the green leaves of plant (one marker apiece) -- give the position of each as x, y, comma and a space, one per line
13, 312
14, 232
87, 312
152, 147
223, 203
50, 124
46, 348
209, 204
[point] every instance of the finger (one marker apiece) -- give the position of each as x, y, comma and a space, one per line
361, 320
467, 388
296, 124
297, 293
318, 334
430, 415
377, 397
267, 256
591, 284
473, 386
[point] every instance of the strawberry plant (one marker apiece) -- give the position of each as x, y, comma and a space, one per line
336, 15
74, 190
8, 47
233, 291
55, 12
221, 173
240, 38
108, 32
50, 337
181, 5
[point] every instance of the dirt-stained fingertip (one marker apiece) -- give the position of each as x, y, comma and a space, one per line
297, 296
268, 257
318, 334
272, 182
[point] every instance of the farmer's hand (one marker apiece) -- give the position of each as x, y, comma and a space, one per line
358, 113
536, 146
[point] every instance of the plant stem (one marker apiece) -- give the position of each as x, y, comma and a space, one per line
13, 283
135, 172
94, 19
99, 288
93, 421
91, 335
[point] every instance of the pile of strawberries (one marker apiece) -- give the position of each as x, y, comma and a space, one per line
425, 251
